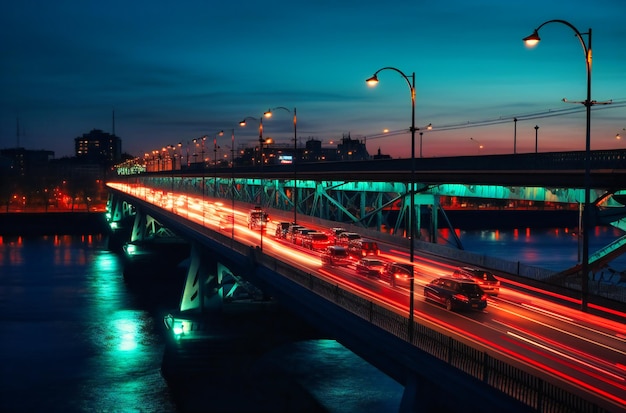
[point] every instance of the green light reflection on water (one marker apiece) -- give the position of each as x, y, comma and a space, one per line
127, 351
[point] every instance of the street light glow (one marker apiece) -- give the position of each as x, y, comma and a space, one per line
533, 39
372, 81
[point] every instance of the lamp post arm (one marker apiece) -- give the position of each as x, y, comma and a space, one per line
411, 85
586, 48
280, 107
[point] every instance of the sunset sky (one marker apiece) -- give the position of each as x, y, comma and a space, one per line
175, 71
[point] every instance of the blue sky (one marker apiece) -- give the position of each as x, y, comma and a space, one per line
177, 71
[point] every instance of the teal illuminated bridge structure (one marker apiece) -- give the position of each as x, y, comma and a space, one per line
374, 193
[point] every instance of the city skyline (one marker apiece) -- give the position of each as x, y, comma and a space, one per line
172, 73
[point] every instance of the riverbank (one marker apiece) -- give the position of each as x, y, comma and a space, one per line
61, 223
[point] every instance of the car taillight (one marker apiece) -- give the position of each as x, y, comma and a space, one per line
483, 297
461, 297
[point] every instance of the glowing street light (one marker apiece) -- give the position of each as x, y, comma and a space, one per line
428, 127
262, 186
201, 141
373, 81
268, 114
220, 133
531, 41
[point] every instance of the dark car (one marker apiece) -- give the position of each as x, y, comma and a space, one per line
281, 229
370, 267
345, 237
334, 232
335, 255
299, 234
258, 219
290, 235
360, 247
315, 240
456, 293
397, 273
485, 279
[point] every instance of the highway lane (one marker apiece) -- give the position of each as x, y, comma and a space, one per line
581, 352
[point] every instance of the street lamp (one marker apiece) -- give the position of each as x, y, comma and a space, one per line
373, 81
261, 142
514, 136
232, 184
530, 41
201, 141
536, 138
268, 114
618, 136
220, 133
428, 127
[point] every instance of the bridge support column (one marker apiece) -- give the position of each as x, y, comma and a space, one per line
417, 395
201, 292
119, 216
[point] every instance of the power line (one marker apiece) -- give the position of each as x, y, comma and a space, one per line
506, 119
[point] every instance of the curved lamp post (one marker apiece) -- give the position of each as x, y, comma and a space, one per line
201, 142
373, 81
220, 133
268, 114
261, 142
530, 41
427, 127
536, 138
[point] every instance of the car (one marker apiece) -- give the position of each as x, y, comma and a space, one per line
360, 247
397, 273
487, 281
281, 229
258, 219
370, 267
289, 236
334, 232
456, 293
315, 240
335, 255
299, 234
345, 237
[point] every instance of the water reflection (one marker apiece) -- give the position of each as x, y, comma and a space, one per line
127, 346
79, 341
555, 248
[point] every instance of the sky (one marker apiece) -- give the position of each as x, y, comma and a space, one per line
174, 71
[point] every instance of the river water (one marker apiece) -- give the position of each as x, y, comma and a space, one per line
75, 338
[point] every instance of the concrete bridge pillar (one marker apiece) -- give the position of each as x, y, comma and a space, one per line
417, 395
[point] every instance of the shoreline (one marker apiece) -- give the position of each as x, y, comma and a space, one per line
52, 223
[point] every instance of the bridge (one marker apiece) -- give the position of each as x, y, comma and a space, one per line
525, 354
